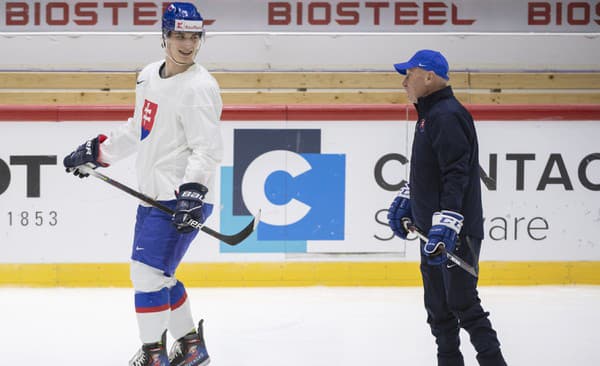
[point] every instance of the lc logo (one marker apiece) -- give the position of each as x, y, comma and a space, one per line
300, 191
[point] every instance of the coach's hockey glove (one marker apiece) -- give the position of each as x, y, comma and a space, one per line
399, 211
86, 153
445, 227
189, 206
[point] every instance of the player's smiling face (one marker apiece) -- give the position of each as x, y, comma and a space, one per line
183, 46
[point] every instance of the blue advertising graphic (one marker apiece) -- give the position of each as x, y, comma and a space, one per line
299, 190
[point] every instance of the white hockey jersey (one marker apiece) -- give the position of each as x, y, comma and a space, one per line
175, 131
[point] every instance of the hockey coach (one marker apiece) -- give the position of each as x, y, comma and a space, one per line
444, 200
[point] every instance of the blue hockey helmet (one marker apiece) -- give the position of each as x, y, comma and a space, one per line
182, 17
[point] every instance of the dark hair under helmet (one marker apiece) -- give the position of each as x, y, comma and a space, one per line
182, 17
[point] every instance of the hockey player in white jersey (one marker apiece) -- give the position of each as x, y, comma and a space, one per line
175, 132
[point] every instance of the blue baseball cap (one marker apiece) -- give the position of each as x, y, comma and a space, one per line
427, 60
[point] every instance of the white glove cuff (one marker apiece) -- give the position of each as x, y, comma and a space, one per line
405, 192
427, 248
450, 219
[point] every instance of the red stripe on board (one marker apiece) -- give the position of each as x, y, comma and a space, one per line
61, 113
533, 112
312, 112
83, 113
28, 113
180, 302
254, 113
153, 309
353, 112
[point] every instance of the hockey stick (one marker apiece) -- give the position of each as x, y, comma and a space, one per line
234, 239
454, 258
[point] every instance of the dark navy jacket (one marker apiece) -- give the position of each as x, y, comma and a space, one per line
444, 169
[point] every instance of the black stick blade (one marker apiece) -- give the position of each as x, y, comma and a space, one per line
234, 239
228, 239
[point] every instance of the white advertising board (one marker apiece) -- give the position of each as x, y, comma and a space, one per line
541, 192
309, 16
307, 35
304, 51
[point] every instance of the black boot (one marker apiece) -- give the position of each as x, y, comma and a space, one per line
190, 350
151, 354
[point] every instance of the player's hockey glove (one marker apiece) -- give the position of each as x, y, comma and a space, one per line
189, 206
445, 227
399, 211
86, 153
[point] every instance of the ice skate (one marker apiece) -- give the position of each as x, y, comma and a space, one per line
151, 354
190, 350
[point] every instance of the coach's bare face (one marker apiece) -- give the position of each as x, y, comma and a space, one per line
415, 83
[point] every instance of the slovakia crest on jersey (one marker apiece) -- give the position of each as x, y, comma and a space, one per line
421, 125
148, 117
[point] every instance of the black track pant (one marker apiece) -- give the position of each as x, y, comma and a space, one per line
452, 302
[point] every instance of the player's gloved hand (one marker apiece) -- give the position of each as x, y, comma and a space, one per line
399, 211
86, 153
445, 227
189, 206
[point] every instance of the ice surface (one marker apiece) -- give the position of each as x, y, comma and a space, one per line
312, 326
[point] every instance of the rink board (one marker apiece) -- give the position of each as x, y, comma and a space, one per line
290, 274
329, 51
540, 169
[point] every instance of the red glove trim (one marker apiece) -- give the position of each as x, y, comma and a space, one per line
101, 138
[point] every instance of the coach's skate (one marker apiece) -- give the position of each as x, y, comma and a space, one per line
151, 354
190, 350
